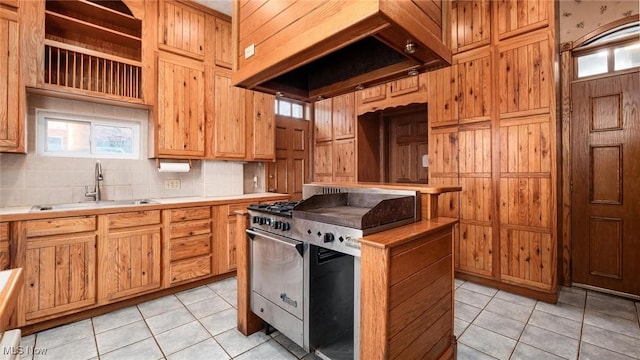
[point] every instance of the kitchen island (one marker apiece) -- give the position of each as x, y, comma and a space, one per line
406, 288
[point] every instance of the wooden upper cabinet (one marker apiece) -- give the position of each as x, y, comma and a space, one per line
344, 160
182, 29
514, 18
11, 125
525, 75
404, 91
181, 107
474, 84
322, 120
262, 126
372, 93
443, 104
470, 24
344, 116
224, 55
229, 118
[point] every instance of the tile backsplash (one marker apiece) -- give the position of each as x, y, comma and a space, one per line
30, 179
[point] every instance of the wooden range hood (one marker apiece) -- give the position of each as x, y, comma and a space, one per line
320, 48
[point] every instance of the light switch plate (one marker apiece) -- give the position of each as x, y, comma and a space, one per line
173, 184
249, 51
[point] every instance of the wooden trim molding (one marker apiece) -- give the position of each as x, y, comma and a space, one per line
604, 28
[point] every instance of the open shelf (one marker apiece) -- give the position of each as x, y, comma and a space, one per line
96, 14
93, 48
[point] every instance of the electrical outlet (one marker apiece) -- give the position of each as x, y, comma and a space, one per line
172, 184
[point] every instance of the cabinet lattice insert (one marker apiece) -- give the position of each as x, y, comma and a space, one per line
72, 67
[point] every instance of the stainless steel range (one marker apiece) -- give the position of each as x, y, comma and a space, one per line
305, 261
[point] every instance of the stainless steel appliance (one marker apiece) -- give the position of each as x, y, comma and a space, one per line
305, 261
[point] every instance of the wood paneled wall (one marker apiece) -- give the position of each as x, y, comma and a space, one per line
492, 126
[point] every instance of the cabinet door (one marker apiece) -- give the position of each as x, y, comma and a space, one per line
228, 258
322, 119
404, 86
59, 275
323, 161
344, 116
264, 129
371, 94
5, 256
182, 29
10, 123
181, 107
344, 160
223, 44
132, 262
229, 123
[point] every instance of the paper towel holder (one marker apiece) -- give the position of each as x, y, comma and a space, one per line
159, 166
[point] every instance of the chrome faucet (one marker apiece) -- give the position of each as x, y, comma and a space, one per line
96, 187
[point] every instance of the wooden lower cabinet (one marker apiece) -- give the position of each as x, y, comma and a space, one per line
189, 245
59, 267
5, 256
225, 217
130, 254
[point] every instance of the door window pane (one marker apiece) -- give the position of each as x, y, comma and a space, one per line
626, 57
296, 111
284, 108
592, 64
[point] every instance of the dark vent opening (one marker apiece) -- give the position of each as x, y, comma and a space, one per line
359, 58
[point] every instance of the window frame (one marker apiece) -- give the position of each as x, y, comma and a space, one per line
43, 115
609, 48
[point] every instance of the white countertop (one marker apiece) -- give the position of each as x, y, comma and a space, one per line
164, 201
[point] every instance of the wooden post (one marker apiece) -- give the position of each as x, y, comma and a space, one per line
248, 322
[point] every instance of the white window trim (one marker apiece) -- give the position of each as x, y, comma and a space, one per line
42, 115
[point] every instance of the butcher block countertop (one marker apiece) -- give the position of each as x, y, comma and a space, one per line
10, 285
407, 233
23, 213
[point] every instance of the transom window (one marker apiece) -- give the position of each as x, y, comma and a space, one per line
289, 108
71, 135
622, 53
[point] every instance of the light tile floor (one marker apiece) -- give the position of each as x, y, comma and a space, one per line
490, 324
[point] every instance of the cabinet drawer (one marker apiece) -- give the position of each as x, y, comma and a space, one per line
190, 269
4, 231
190, 214
190, 228
234, 207
136, 218
190, 247
60, 226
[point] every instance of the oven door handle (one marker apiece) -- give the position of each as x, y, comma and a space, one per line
284, 241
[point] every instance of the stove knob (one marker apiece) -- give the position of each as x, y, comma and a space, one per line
256, 220
276, 225
263, 220
328, 237
285, 226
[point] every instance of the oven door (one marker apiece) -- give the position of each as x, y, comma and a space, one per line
277, 271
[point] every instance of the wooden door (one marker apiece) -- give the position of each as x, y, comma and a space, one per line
181, 107
287, 174
605, 143
10, 123
408, 143
229, 110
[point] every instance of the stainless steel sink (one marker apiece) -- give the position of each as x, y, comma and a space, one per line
92, 205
